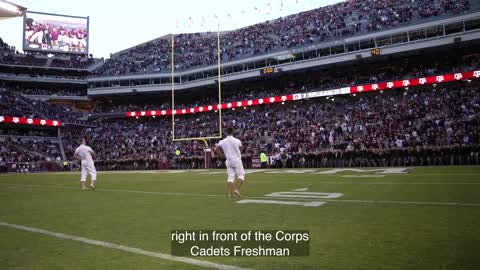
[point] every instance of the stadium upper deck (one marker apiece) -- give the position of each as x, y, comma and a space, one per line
332, 22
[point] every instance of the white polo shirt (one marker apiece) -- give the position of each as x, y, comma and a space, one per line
85, 153
231, 149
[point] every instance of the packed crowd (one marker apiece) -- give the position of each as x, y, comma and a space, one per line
396, 69
78, 62
9, 55
29, 155
365, 130
317, 25
10, 153
74, 62
4, 47
31, 108
437, 124
21, 108
432, 119
22, 59
48, 149
428, 8
55, 92
12, 131
28, 149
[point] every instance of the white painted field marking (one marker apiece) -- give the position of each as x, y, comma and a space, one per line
408, 202
312, 195
161, 193
291, 171
212, 173
173, 171
296, 194
378, 171
249, 171
310, 204
253, 197
124, 190
364, 176
381, 183
300, 189
140, 251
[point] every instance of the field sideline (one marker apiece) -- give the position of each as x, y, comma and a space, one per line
423, 218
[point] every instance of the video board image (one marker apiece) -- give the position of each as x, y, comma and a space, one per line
55, 33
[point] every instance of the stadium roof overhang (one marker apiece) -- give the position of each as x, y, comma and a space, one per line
10, 10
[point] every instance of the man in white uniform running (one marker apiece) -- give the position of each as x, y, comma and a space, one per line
230, 148
85, 153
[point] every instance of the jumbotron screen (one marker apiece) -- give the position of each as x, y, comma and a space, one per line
55, 33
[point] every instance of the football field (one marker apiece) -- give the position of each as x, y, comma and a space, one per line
407, 218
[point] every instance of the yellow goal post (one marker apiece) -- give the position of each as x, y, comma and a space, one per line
203, 139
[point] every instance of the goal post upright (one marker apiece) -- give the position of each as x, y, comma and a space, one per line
203, 139
219, 82
173, 86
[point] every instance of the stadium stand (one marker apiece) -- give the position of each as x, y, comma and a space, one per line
354, 74
318, 25
42, 60
10, 55
363, 130
25, 107
427, 125
29, 149
432, 120
49, 92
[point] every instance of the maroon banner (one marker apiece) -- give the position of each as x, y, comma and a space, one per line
416, 82
214, 107
30, 121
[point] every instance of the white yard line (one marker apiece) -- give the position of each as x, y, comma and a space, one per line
140, 251
120, 190
254, 197
376, 183
405, 202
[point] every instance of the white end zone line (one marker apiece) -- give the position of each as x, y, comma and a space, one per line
140, 251
253, 197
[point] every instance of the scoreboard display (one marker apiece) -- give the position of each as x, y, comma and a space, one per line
375, 51
55, 33
267, 70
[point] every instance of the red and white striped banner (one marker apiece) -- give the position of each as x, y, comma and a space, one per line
216, 107
417, 81
29, 121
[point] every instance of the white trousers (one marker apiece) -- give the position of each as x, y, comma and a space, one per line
88, 168
235, 169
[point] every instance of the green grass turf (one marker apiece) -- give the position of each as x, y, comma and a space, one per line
344, 234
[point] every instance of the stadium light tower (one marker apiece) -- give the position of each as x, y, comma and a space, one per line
10, 10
